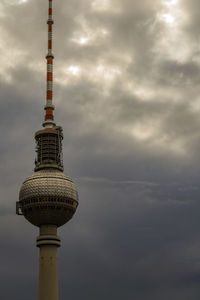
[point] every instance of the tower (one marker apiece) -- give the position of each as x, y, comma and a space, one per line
48, 198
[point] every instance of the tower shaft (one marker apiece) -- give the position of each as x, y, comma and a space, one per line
48, 242
49, 93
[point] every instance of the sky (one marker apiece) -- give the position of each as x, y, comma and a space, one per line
127, 94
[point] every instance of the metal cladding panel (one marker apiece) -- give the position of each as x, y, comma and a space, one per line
47, 184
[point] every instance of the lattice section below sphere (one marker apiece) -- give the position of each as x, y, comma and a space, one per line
48, 197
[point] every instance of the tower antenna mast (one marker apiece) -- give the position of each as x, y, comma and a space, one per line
49, 107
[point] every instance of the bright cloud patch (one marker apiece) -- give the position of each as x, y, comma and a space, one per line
168, 18
73, 70
101, 5
88, 35
107, 73
15, 2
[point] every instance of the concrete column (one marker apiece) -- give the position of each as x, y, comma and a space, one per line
48, 242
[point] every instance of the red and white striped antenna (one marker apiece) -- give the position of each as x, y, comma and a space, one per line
49, 107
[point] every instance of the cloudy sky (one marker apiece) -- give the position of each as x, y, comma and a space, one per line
127, 93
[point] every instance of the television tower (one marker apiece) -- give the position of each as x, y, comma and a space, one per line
48, 198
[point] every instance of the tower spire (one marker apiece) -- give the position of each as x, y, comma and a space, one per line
49, 107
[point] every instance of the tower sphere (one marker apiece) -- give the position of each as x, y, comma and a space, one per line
48, 196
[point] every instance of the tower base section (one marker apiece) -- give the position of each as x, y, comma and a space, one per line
48, 242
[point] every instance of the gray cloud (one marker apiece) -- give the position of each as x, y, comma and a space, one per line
127, 95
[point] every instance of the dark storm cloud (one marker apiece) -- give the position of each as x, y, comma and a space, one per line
127, 95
